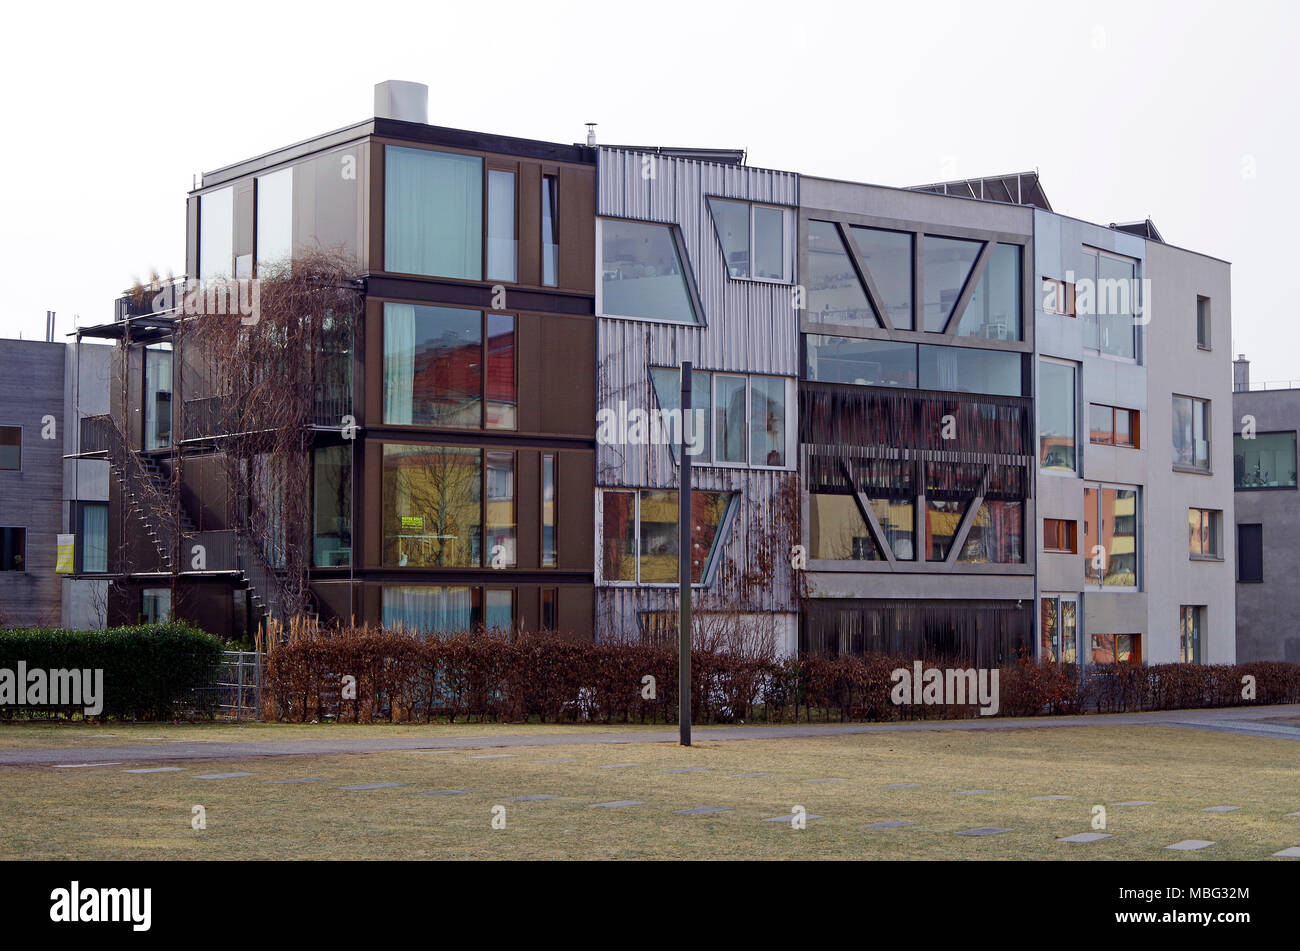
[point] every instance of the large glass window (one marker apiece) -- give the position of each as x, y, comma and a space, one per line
94, 537
155, 605
550, 230
274, 217
948, 263
11, 447
433, 213
332, 507
746, 414
1110, 536
1191, 624
158, 398
1204, 530
217, 234
835, 293
859, 361
889, 486
1115, 648
888, 259
642, 273
429, 609
729, 418
767, 421
836, 529
432, 506
1266, 461
966, 370
1107, 303
752, 239
434, 361
668, 392
644, 523
1191, 425
501, 243
1056, 417
994, 308
1059, 628
13, 549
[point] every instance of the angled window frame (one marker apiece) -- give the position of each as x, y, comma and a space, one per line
683, 261
708, 573
788, 235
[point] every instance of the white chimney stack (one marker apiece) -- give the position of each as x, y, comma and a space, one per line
591, 135
398, 99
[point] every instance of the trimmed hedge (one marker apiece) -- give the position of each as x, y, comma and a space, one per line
151, 671
488, 676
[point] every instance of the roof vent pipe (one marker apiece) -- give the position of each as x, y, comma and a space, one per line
398, 99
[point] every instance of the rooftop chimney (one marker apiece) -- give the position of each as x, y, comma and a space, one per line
398, 99
1240, 374
591, 135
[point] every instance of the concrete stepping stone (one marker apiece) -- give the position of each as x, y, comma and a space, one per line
617, 765
829, 779
305, 779
449, 792
617, 804
493, 755
157, 769
1291, 815
360, 786
786, 819
984, 830
1291, 853
1189, 845
85, 765
974, 792
900, 785
1137, 802
888, 824
223, 775
687, 769
1085, 837
535, 798
562, 760
749, 775
701, 810
1222, 809
1051, 798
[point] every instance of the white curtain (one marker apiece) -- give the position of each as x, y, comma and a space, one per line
427, 609
399, 362
433, 219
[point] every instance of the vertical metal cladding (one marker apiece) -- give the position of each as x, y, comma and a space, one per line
749, 327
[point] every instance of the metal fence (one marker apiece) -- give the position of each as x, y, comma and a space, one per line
237, 685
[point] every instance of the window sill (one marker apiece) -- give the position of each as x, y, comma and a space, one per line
1206, 349
1059, 551
1210, 558
1193, 470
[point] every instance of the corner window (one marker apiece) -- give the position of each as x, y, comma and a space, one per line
1191, 629
1191, 432
1203, 323
1111, 553
13, 549
640, 538
1204, 529
1265, 461
1056, 417
11, 447
753, 239
642, 274
433, 213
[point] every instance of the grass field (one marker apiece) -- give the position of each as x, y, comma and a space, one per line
104, 813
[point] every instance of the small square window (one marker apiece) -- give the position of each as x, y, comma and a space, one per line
1204, 530
1060, 535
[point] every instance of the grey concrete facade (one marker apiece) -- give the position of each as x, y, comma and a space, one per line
1268, 611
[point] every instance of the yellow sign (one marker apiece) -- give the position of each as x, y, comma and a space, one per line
63, 564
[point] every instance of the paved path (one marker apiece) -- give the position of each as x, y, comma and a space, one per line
1245, 720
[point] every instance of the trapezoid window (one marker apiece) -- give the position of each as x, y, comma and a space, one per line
888, 259
948, 264
835, 293
994, 309
642, 272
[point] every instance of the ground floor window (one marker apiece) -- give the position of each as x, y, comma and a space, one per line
13, 549
446, 609
640, 536
156, 605
1059, 628
1191, 624
1116, 648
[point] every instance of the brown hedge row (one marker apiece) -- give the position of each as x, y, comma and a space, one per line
487, 676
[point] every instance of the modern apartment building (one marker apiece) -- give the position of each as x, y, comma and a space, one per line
1265, 420
452, 442
45, 492
927, 420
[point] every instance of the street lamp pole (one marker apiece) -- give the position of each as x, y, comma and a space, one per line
684, 566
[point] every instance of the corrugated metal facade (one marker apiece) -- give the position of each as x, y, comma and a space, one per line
750, 327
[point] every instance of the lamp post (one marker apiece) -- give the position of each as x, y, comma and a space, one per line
684, 567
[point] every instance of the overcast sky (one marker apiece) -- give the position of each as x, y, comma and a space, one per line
1183, 111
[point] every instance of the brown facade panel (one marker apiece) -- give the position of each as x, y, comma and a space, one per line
577, 255
567, 374
575, 510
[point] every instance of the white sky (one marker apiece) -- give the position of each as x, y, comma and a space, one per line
1128, 110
